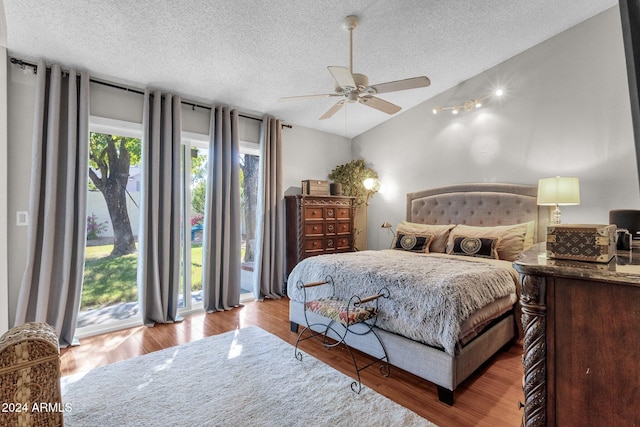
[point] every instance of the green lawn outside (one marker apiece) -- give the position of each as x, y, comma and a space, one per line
109, 280
196, 268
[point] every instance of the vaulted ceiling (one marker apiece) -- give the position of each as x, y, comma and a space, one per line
247, 54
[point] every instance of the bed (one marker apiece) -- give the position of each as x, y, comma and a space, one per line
470, 325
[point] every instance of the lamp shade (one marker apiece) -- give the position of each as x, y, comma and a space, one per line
561, 190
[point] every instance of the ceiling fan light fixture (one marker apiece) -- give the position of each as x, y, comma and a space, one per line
354, 87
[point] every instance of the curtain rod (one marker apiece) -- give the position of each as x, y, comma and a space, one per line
23, 65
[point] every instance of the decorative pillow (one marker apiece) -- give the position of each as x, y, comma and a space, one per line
412, 242
482, 247
440, 233
529, 236
511, 238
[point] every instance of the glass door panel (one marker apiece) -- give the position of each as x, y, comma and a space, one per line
110, 292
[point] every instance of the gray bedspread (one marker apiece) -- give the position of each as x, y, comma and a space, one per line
431, 294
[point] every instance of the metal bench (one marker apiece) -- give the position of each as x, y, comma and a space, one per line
339, 318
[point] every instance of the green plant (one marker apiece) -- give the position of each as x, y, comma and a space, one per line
94, 227
352, 175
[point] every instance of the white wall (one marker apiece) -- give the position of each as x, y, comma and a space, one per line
311, 154
113, 103
4, 285
566, 112
20, 106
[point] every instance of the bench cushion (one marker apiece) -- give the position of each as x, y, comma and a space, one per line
335, 308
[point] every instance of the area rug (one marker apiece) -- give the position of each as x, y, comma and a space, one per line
244, 377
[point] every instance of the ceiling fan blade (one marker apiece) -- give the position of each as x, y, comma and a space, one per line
322, 95
334, 109
379, 104
412, 83
342, 76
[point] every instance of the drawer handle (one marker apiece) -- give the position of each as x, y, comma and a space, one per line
315, 228
315, 243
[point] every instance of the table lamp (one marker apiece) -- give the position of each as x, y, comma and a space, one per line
561, 190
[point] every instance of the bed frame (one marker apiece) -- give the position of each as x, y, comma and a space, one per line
483, 204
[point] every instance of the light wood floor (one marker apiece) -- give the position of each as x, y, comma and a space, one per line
488, 398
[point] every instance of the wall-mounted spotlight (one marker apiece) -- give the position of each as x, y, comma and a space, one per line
468, 105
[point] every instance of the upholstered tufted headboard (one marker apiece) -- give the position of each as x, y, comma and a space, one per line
482, 204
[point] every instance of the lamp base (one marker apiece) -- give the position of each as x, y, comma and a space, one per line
555, 217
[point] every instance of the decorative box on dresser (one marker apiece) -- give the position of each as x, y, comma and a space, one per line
317, 225
581, 340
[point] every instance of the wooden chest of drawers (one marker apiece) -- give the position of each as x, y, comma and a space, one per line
317, 225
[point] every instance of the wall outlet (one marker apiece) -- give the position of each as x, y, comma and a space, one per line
22, 218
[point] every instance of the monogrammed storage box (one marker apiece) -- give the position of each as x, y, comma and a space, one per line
582, 242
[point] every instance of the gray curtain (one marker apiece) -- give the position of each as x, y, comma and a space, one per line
270, 233
52, 283
159, 234
221, 237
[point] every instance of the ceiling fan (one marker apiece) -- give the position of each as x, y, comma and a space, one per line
353, 87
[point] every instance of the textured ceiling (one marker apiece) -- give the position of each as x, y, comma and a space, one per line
247, 54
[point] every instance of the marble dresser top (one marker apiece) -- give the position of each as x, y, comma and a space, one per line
624, 267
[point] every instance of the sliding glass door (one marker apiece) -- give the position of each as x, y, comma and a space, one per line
249, 171
195, 163
109, 292
109, 296
195, 160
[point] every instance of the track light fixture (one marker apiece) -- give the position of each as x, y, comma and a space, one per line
468, 105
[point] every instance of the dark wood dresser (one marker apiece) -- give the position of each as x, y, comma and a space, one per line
317, 225
582, 340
